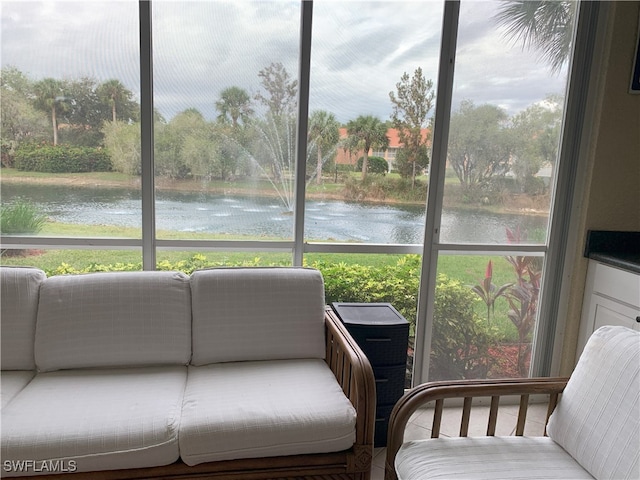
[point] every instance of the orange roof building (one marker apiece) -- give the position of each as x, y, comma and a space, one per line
344, 157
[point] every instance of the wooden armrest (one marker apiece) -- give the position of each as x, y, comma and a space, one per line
353, 371
468, 390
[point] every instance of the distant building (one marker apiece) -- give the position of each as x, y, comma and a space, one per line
344, 157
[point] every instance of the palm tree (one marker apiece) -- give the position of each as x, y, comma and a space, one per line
234, 105
364, 133
114, 93
50, 98
546, 26
324, 130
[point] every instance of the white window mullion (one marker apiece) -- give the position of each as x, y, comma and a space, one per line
424, 320
306, 16
146, 138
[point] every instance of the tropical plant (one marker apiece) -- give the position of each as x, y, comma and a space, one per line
411, 106
488, 291
545, 26
460, 341
234, 106
523, 297
324, 135
50, 97
364, 133
117, 96
20, 217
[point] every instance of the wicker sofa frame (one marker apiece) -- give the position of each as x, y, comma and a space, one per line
354, 373
467, 390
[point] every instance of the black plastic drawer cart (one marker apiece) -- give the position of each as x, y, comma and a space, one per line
383, 335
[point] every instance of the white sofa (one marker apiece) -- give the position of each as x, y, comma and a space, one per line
228, 373
593, 432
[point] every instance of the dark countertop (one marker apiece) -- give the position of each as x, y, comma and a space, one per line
618, 249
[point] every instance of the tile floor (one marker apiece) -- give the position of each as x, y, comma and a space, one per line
419, 426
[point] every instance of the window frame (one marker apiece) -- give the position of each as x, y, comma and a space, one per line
559, 238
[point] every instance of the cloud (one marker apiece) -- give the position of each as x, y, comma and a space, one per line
360, 50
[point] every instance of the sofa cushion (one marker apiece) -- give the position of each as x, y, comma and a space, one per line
101, 419
264, 409
19, 289
257, 314
114, 319
497, 458
597, 419
11, 382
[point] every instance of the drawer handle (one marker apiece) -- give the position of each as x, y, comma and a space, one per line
382, 380
378, 339
381, 419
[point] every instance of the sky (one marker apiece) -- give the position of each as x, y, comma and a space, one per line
360, 49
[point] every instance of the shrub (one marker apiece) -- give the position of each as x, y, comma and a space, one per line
61, 159
460, 340
374, 165
21, 217
397, 284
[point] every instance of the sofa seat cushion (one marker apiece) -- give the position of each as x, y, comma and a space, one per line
11, 382
497, 458
101, 419
597, 419
263, 409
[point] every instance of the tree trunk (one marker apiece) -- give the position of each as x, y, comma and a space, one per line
113, 112
365, 164
319, 167
54, 122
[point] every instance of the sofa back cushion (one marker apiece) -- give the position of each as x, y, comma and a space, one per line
19, 290
597, 420
258, 313
114, 319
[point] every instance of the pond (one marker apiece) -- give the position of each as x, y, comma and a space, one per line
325, 220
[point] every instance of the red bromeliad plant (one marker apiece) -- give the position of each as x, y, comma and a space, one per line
523, 298
488, 291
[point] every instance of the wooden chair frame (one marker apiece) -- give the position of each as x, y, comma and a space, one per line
467, 390
355, 375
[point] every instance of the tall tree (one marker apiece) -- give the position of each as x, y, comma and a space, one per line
234, 105
545, 26
324, 134
281, 91
118, 97
50, 97
364, 133
411, 105
536, 133
479, 144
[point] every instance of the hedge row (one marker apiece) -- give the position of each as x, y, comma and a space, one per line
61, 159
460, 339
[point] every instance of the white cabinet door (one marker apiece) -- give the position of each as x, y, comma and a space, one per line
611, 297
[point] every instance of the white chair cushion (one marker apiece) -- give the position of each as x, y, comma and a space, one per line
101, 419
495, 458
597, 419
264, 409
11, 382
19, 288
242, 314
114, 319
